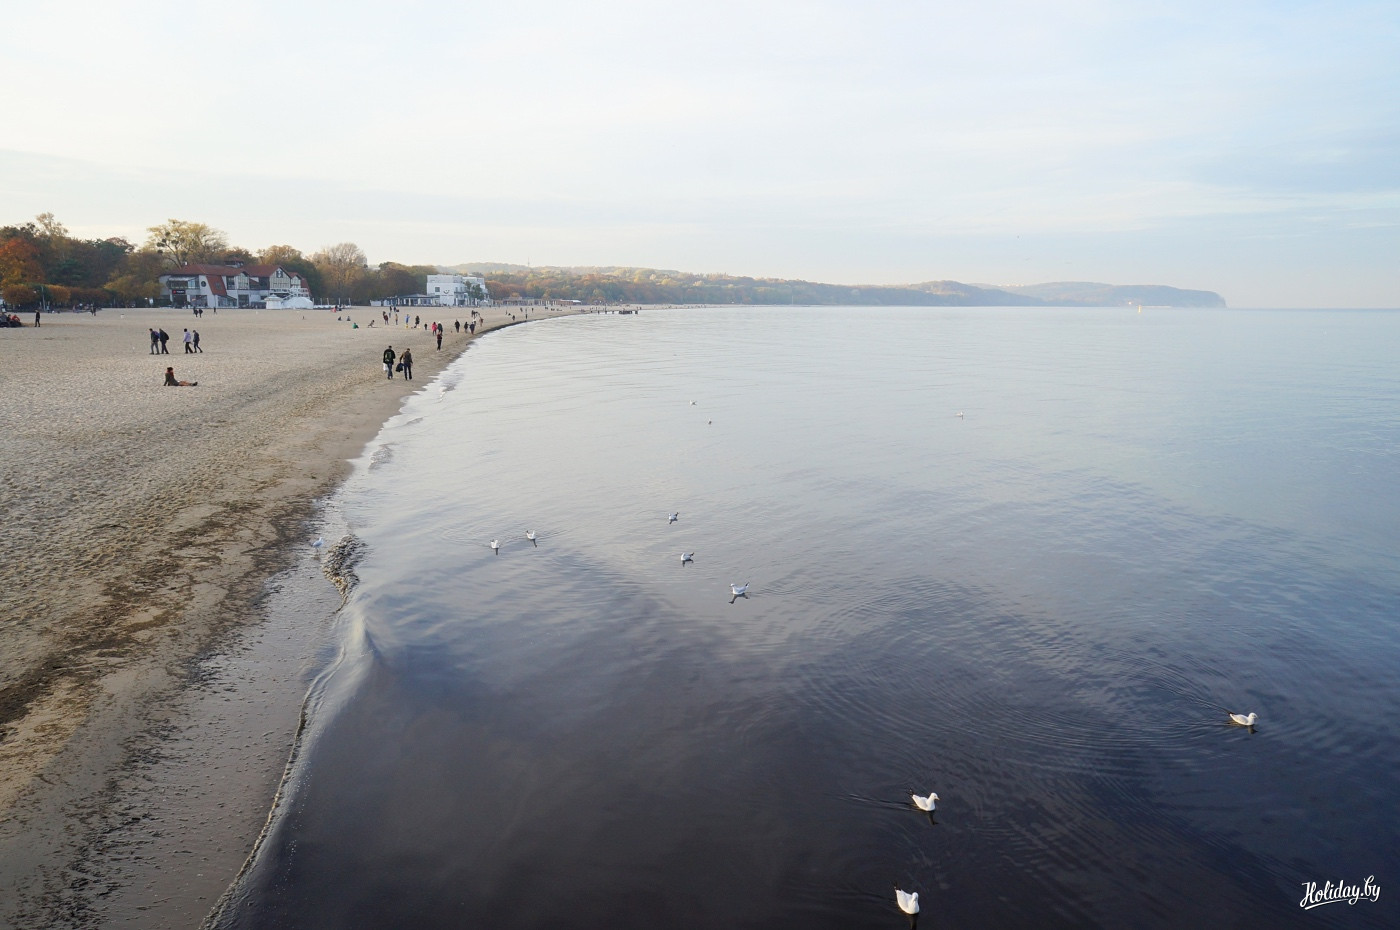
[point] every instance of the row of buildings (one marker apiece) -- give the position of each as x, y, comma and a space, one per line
238, 284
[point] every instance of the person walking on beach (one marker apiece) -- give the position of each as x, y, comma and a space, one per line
389, 357
164, 338
36, 318
189, 342
196, 341
439, 335
155, 342
406, 360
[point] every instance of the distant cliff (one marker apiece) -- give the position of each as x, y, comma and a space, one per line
1089, 294
655, 286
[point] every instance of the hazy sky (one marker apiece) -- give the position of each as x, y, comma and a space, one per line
1251, 148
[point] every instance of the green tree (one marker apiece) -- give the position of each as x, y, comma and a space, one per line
129, 288
137, 275
342, 268
184, 242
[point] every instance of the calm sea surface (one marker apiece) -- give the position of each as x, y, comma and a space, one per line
1041, 609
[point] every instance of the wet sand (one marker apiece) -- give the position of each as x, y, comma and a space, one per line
147, 704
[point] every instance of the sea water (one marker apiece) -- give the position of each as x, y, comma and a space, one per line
1028, 559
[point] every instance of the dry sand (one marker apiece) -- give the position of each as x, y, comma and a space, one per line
138, 753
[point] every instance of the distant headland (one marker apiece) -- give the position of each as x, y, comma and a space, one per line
615, 284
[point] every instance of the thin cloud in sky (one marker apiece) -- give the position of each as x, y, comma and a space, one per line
834, 140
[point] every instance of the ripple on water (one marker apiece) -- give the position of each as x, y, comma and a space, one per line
1042, 611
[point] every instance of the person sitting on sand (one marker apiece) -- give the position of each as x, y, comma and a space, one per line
171, 382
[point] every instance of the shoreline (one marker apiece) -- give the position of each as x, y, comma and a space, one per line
146, 529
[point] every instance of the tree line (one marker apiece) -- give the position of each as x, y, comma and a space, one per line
652, 286
42, 265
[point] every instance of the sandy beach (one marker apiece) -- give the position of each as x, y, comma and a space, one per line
142, 524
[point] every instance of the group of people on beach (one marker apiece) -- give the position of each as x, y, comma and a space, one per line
160, 337
403, 364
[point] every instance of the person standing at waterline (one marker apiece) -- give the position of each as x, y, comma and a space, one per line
406, 363
389, 357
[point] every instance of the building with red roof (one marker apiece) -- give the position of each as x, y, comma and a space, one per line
235, 284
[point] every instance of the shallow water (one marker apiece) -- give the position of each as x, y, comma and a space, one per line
1041, 609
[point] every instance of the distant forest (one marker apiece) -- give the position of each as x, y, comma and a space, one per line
651, 286
41, 264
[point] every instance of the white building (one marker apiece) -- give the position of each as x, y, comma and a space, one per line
458, 290
294, 302
232, 285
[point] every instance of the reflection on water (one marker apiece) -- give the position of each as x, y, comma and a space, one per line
1042, 610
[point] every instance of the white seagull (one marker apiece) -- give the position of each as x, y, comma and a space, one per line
530, 535
908, 902
1244, 721
687, 557
320, 541
960, 413
496, 546
673, 517
926, 804
738, 591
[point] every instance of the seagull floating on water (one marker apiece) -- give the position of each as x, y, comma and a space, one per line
496, 546
738, 591
1244, 721
530, 535
673, 517
687, 557
926, 804
960, 413
908, 901
320, 541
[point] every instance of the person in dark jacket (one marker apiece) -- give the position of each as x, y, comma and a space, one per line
406, 360
389, 357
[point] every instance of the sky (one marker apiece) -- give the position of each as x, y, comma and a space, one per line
1249, 148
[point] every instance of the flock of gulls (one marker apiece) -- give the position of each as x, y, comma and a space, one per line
736, 591
907, 901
